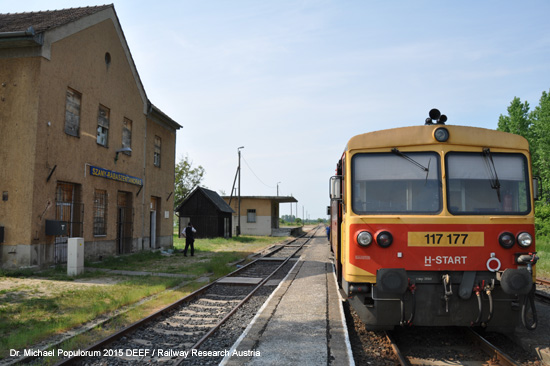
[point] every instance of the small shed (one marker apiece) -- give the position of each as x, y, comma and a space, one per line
208, 212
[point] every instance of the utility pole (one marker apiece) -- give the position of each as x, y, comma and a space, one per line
278, 189
239, 192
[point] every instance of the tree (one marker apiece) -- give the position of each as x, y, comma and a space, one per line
535, 127
187, 178
540, 146
517, 121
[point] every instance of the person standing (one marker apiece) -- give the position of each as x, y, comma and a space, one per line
189, 233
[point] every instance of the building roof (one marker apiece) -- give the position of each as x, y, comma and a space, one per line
215, 198
28, 29
159, 116
42, 21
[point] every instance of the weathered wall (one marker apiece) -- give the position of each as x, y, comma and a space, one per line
18, 112
94, 62
262, 226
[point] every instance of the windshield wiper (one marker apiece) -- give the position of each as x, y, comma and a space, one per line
408, 158
490, 165
411, 160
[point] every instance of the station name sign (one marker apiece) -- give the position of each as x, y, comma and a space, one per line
119, 177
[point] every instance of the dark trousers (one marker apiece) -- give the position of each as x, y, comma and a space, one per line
189, 242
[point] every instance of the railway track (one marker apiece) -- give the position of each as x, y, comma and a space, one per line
456, 346
175, 334
441, 346
543, 291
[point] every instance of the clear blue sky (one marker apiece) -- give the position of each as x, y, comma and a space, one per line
292, 81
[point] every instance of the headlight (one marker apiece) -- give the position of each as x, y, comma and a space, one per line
506, 240
524, 239
441, 134
384, 239
364, 238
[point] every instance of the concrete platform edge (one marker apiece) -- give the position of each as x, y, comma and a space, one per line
265, 312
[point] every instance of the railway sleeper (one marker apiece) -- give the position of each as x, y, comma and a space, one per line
177, 332
207, 307
176, 324
195, 318
220, 301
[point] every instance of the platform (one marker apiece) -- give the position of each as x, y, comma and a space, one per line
302, 323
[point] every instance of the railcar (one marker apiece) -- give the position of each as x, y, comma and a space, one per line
433, 225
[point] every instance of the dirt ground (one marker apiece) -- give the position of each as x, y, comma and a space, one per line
12, 289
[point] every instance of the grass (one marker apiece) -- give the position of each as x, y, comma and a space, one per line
543, 251
27, 320
50, 302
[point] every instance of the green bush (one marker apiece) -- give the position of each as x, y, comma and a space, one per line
542, 220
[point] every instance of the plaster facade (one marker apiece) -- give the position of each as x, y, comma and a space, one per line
83, 69
259, 214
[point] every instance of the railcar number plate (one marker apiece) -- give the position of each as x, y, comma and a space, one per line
446, 239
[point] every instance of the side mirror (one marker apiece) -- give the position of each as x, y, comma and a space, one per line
536, 188
336, 187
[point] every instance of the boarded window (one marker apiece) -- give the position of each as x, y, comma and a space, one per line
251, 215
127, 135
72, 113
103, 125
156, 155
100, 212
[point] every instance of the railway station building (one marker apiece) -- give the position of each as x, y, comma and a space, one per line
259, 214
84, 153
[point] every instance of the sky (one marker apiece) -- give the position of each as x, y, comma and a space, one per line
293, 81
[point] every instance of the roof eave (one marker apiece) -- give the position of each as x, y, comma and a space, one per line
160, 117
19, 39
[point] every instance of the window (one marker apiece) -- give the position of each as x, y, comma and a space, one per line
400, 182
127, 135
69, 208
487, 183
250, 215
156, 154
103, 125
100, 212
72, 113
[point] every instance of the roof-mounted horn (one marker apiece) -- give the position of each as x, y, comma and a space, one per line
436, 117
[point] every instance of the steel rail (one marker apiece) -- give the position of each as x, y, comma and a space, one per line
117, 335
490, 349
403, 361
542, 297
244, 301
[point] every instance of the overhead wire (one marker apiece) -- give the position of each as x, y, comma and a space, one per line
246, 162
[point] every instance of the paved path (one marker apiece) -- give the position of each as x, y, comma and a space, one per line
302, 323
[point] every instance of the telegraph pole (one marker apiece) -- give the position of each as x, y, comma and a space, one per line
239, 193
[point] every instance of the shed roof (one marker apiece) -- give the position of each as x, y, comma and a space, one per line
215, 198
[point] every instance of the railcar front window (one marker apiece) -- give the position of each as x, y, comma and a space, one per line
487, 183
396, 183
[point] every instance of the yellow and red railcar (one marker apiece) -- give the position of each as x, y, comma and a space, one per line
433, 225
